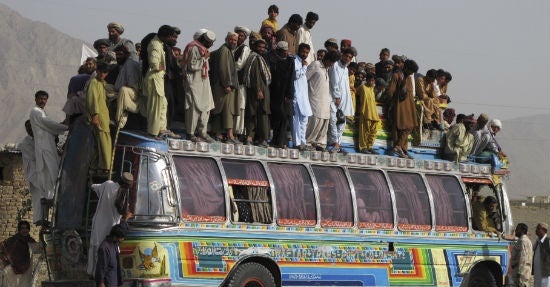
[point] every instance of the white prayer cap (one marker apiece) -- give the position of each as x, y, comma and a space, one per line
210, 36
496, 123
199, 33
243, 29
231, 34
283, 45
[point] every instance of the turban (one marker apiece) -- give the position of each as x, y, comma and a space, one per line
483, 119
199, 33
354, 50
282, 45
543, 225
399, 59
116, 26
260, 41
255, 35
369, 66
101, 42
243, 29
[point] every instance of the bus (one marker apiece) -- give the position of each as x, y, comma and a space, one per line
217, 214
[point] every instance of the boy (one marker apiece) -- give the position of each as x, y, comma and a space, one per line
98, 117
367, 115
273, 12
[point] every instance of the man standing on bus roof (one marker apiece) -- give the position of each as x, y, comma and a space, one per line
115, 40
521, 257
541, 257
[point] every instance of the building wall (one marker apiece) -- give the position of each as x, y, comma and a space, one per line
14, 195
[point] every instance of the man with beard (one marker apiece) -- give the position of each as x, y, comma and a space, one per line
198, 94
401, 94
224, 88
319, 99
127, 85
304, 34
256, 79
153, 85
115, 40
102, 48
15, 254
302, 109
172, 78
288, 32
281, 91
241, 55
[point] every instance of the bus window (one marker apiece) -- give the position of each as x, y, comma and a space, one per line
201, 189
449, 203
413, 204
155, 200
249, 191
374, 206
486, 215
295, 195
334, 197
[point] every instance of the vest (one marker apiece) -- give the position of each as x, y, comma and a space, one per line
544, 251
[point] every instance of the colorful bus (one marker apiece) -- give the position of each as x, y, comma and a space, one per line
231, 215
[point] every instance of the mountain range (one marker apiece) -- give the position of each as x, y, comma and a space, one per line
34, 56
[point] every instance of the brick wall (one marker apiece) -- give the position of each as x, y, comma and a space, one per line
14, 194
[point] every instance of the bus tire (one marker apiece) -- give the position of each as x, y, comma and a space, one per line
251, 274
482, 277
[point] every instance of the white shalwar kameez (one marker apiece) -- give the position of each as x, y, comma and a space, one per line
44, 131
26, 146
106, 216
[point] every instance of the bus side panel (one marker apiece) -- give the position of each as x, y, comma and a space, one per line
207, 259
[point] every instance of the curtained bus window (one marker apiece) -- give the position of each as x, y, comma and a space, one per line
413, 204
449, 203
374, 205
249, 191
202, 196
334, 196
294, 193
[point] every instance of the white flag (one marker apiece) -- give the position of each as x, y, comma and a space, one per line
86, 53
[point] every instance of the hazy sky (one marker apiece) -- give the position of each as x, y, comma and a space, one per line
497, 51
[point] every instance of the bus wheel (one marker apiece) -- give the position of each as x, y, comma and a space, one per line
482, 278
252, 274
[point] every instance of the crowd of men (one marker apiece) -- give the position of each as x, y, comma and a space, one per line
275, 88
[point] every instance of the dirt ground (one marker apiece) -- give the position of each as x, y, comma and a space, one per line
531, 215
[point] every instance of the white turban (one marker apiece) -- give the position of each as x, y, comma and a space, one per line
243, 29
